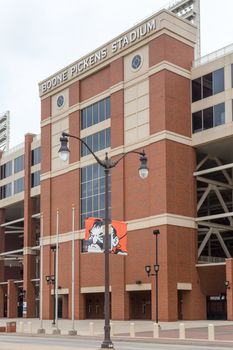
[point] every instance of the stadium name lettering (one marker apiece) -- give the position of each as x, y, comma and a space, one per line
84, 64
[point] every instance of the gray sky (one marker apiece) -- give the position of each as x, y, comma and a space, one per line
39, 37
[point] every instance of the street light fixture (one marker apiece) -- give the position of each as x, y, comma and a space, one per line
107, 164
50, 279
156, 270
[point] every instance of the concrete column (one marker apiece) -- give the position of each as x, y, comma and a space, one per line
12, 299
29, 298
29, 233
2, 248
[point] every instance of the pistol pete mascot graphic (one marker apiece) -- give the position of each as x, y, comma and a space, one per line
118, 237
94, 236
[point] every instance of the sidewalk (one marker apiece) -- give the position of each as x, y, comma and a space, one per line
194, 330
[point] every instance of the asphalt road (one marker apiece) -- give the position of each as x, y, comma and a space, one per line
59, 343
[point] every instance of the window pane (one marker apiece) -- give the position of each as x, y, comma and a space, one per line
83, 119
102, 140
8, 190
219, 114
89, 143
89, 173
101, 111
95, 202
35, 156
108, 107
83, 174
18, 164
196, 89
89, 204
89, 188
95, 113
218, 81
108, 137
84, 148
207, 85
35, 179
19, 185
95, 186
89, 116
208, 118
197, 121
96, 142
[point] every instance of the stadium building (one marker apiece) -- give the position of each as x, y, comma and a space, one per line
143, 90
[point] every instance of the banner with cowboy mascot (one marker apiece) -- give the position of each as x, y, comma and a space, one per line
94, 236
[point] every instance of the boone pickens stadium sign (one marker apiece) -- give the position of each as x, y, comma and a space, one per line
98, 56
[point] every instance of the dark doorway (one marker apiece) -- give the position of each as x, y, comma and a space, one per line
95, 306
20, 302
140, 305
180, 305
59, 306
216, 307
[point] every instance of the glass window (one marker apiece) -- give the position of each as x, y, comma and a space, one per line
83, 118
19, 185
36, 156
96, 142
18, 164
196, 90
102, 110
35, 179
219, 114
218, 81
92, 198
197, 121
208, 118
89, 116
6, 191
207, 85
95, 113
107, 107
6, 170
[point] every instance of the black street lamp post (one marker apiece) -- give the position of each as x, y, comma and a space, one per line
51, 280
107, 164
156, 270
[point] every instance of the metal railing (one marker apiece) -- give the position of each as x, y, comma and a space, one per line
213, 56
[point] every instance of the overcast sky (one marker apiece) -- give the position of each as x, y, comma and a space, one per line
39, 37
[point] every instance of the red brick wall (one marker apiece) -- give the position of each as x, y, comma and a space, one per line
45, 108
45, 148
95, 84
166, 48
74, 93
170, 103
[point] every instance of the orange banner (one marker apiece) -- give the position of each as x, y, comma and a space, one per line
118, 237
94, 236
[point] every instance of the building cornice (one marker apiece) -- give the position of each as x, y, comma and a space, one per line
133, 225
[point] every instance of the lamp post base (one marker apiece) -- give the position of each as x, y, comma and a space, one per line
41, 331
107, 345
72, 332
